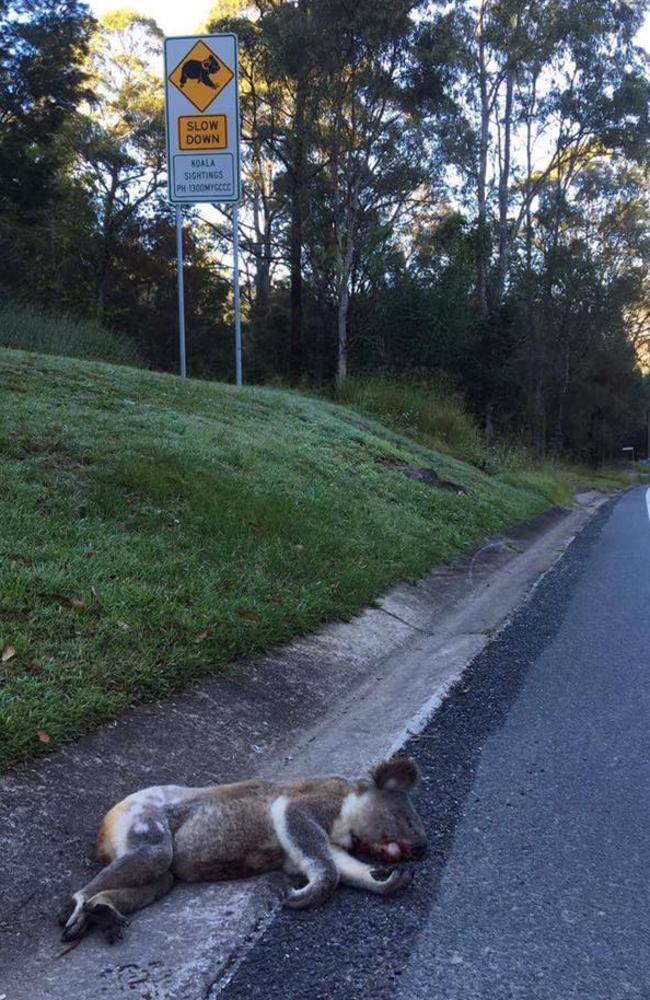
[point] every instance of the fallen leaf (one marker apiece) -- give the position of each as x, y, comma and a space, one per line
43, 736
252, 616
123, 626
202, 636
69, 602
8, 653
23, 560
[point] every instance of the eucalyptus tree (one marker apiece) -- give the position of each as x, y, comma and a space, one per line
280, 87
366, 141
42, 49
121, 145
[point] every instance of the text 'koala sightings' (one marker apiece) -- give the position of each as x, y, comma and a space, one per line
307, 827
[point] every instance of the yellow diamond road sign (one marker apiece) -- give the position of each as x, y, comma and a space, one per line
201, 76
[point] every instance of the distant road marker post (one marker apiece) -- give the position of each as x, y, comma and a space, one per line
203, 162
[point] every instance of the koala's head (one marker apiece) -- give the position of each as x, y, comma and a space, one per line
386, 826
210, 65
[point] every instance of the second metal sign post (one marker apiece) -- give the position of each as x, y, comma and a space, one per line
202, 122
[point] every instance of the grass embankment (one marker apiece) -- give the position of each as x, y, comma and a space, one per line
151, 530
437, 417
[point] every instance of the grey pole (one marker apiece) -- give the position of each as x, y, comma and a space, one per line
235, 270
181, 290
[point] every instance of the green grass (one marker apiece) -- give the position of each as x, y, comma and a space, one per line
558, 481
30, 329
153, 530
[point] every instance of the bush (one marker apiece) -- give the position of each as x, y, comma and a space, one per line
28, 329
433, 414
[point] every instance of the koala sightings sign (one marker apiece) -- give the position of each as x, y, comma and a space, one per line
202, 116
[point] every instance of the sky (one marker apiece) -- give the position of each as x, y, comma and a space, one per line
175, 17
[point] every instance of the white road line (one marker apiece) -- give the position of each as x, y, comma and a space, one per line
647, 501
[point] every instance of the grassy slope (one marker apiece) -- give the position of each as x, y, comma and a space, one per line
152, 530
436, 417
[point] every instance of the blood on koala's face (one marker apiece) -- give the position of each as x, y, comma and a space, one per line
388, 827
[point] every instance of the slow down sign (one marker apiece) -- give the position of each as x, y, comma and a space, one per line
203, 132
202, 112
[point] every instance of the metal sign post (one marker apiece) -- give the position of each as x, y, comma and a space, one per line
181, 290
203, 162
235, 275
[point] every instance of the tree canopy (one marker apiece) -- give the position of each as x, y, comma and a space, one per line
436, 191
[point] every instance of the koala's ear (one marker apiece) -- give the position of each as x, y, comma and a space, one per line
399, 774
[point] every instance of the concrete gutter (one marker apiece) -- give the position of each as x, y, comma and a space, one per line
333, 702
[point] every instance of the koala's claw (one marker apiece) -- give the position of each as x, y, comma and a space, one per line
107, 919
312, 894
392, 880
65, 911
73, 920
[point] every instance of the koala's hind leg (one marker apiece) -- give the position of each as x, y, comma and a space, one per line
308, 852
146, 860
107, 910
383, 881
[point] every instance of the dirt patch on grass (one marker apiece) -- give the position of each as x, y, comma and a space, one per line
427, 476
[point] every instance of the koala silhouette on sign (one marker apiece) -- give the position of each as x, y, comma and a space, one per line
201, 70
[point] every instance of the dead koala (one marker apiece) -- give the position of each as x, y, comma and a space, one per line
308, 827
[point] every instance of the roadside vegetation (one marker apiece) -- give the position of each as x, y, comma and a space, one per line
436, 416
454, 189
36, 330
447, 189
153, 530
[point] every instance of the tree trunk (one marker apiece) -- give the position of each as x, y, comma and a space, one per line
535, 337
557, 444
504, 194
108, 237
342, 326
345, 272
262, 257
482, 234
296, 350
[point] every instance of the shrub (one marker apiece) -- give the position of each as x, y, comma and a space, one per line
29, 329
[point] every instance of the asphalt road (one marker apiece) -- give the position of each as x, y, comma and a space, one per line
537, 800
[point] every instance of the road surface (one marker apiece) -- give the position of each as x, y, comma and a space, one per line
536, 794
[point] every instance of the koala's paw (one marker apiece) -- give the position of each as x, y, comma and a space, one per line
72, 919
312, 894
66, 910
390, 880
107, 919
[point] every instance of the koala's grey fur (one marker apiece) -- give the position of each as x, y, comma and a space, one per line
308, 827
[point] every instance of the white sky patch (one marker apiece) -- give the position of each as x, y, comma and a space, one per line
174, 17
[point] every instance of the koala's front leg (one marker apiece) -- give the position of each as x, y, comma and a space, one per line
383, 881
308, 850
